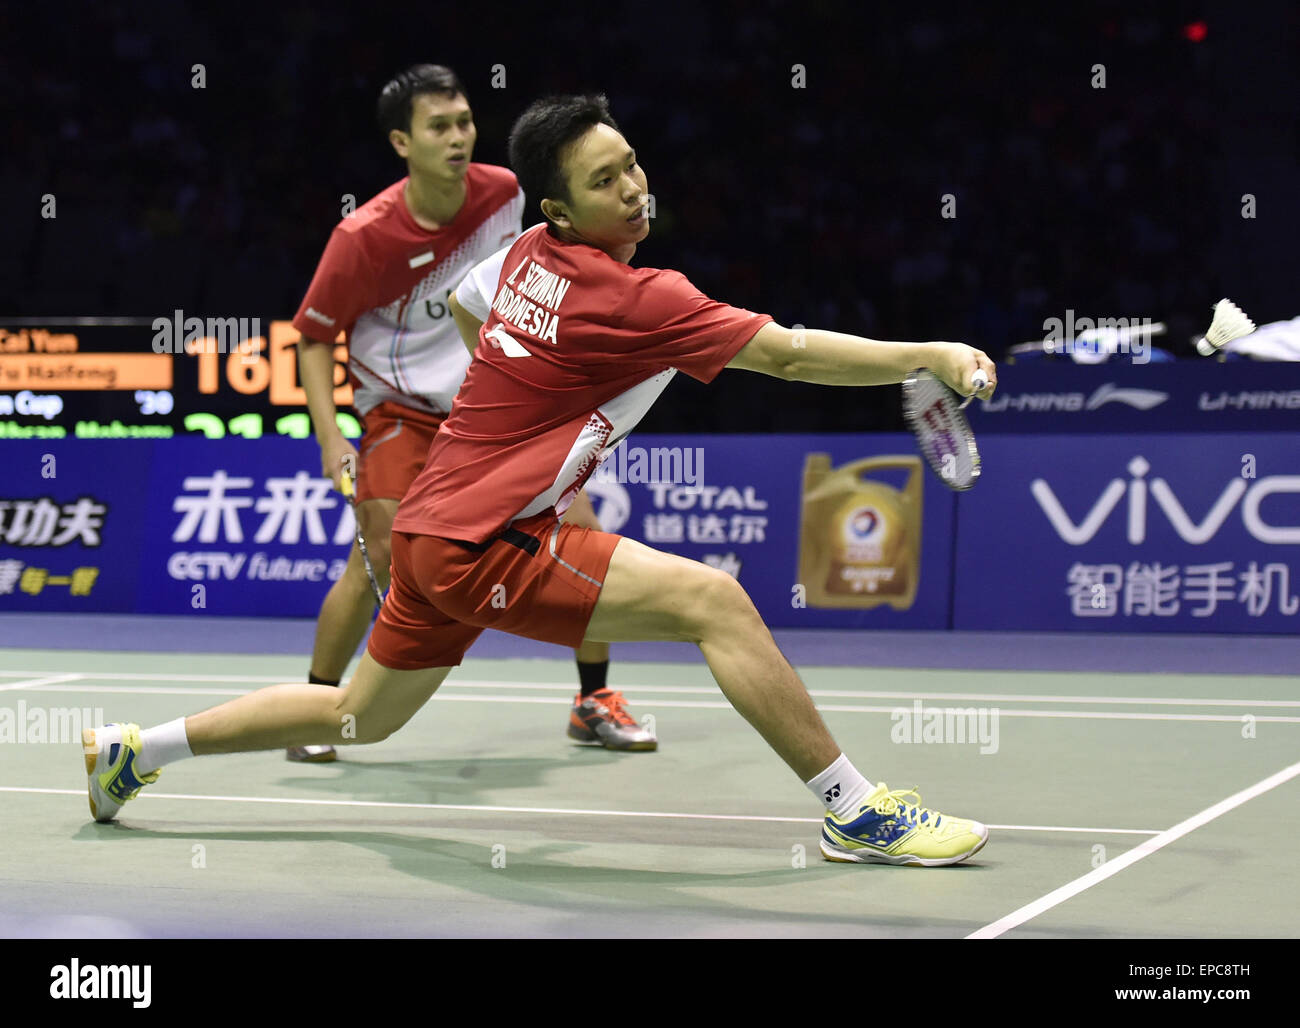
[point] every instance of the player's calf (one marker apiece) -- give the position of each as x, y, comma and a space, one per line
120, 759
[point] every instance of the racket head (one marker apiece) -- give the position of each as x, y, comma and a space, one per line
934, 413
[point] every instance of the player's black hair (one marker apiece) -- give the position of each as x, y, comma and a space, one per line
540, 135
397, 100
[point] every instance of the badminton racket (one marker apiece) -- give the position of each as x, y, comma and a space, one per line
345, 483
936, 415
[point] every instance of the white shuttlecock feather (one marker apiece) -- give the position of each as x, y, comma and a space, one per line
1229, 323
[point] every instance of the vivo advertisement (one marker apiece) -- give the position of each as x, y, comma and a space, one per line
1128, 533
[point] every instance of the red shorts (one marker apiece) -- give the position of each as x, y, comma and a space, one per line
393, 449
541, 580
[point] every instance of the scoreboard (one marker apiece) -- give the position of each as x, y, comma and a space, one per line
133, 378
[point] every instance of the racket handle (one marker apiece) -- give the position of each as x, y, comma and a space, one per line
345, 485
979, 380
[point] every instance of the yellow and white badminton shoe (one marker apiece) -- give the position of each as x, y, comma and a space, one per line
111, 753
886, 829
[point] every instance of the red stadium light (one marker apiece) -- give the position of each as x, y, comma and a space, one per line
1196, 31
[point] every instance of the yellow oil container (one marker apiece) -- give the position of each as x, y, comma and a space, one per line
860, 539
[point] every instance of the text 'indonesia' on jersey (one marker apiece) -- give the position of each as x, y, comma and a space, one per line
533, 305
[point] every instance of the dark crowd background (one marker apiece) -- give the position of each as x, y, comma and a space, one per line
819, 205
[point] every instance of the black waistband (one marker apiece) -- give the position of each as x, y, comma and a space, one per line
529, 543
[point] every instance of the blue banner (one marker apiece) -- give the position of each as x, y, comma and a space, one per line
72, 517
844, 531
823, 531
1134, 533
1175, 533
1060, 397
242, 527
170, 526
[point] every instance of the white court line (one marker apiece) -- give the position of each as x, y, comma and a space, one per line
544, 810
875, 694
864, 694
145, 690
555, 701
1068, 714
1143, 849
38, 683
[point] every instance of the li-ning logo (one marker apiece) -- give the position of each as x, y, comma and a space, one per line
1137, 490
1072, 403
1142, 399
833, 793
100, 981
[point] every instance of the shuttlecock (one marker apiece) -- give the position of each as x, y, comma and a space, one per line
1229, 323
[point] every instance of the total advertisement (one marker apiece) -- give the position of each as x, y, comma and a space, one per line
1128, 533
822, 531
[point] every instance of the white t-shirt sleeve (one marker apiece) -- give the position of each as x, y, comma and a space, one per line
478, 289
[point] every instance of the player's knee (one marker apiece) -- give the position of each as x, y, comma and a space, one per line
373, 733
376, 524
359, 726
354, 578
718, 602
381, 555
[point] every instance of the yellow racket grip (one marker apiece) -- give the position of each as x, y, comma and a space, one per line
345, 485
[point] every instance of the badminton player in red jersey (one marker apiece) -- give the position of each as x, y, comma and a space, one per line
385, 279
576, 347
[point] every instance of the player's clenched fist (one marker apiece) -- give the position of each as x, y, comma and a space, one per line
956, 364
336, 456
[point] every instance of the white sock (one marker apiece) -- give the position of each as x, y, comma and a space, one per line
161, 745
841, 788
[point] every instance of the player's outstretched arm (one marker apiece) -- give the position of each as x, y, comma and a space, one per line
834, 358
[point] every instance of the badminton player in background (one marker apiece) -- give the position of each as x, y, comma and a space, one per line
576, 347
385, 279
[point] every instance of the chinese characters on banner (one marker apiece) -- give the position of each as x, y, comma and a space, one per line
1158, 590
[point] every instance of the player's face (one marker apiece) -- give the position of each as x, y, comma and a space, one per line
441, 141
607, 191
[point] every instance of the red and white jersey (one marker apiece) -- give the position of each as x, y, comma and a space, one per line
384, 280
576, 349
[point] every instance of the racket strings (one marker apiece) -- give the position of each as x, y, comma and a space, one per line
942, 432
